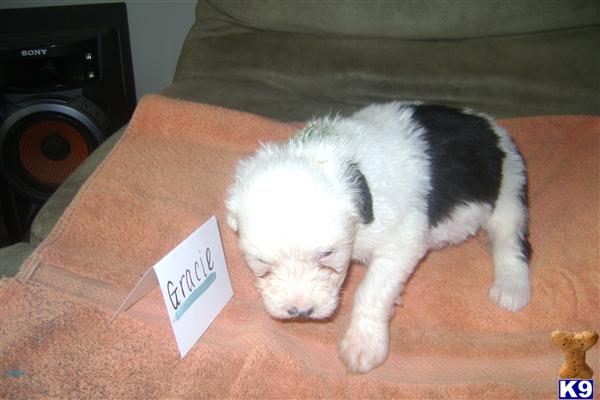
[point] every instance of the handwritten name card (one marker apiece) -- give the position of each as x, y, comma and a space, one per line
194, 282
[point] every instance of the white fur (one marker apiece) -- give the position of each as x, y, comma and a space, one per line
292, 205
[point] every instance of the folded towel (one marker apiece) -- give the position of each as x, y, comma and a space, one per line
170, 172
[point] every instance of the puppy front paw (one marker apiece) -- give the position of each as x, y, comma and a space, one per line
511, 292
364, 346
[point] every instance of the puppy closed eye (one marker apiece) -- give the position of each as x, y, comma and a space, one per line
327, 258
259, 266
326, 253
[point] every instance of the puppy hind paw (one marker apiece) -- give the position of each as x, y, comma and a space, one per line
363, 349
510, 293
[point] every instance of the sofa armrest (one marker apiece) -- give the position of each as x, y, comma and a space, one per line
12, 257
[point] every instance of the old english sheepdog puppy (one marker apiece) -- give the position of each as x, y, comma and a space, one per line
382, 187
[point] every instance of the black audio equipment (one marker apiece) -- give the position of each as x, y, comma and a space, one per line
66, 85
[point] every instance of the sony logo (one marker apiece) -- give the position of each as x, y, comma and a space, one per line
33, 52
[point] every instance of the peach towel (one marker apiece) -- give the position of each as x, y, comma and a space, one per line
170, 172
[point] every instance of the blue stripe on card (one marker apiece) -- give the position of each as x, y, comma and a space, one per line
195, 295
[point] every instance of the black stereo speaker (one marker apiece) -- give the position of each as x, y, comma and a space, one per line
66, 85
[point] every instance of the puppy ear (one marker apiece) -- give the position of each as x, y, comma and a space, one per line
361, 192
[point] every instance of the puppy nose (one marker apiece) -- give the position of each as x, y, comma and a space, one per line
294, 312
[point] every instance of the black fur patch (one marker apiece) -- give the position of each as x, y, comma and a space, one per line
526, 249
466, 162
363, 198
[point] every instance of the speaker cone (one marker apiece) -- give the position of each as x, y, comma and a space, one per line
41, 149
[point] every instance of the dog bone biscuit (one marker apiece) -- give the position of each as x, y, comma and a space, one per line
574, 346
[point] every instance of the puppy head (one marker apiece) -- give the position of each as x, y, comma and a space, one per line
297, 222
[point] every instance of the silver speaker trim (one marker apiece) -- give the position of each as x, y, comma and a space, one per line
50, 107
